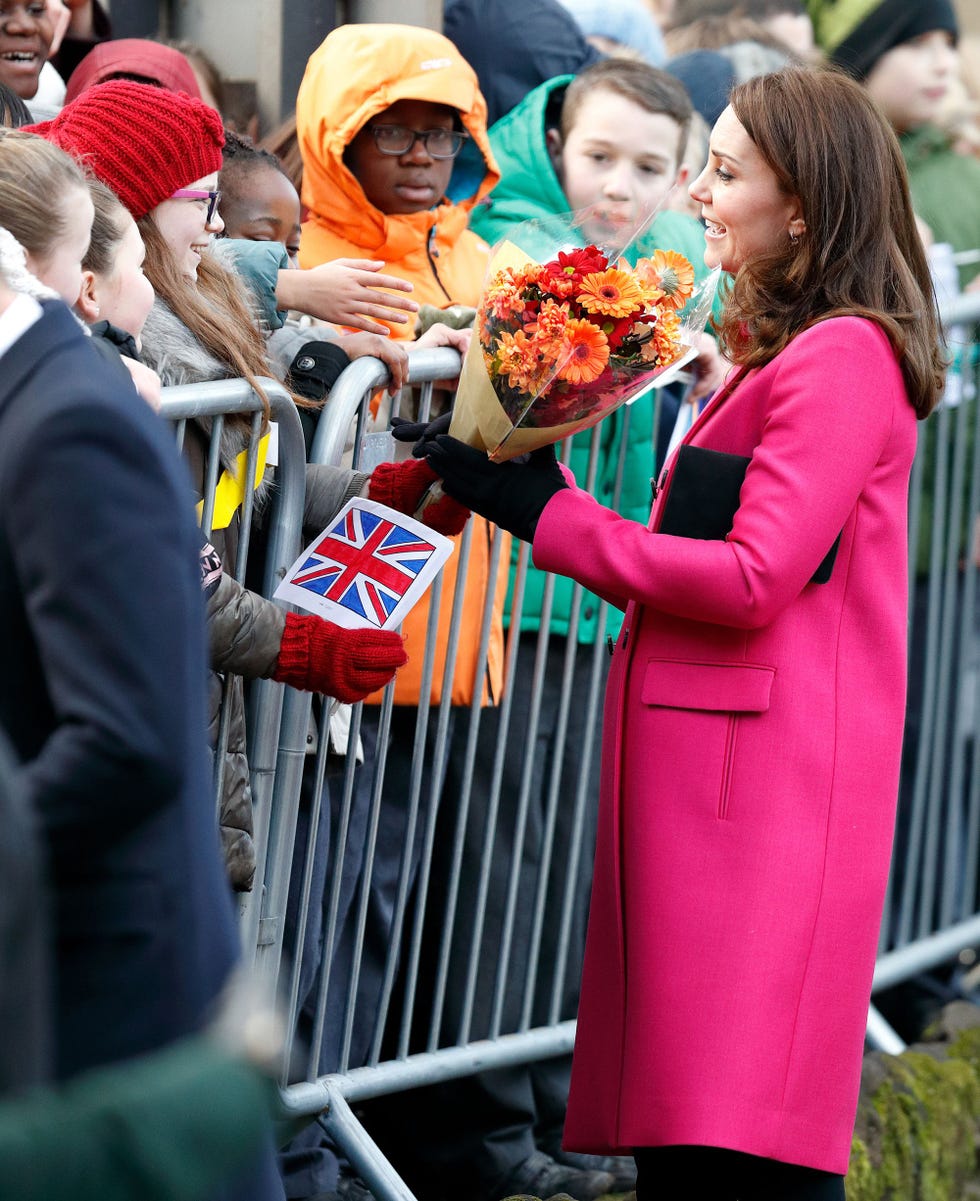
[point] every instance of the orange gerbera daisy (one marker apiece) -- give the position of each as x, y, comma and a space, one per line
613, 293
585, 352
669, 273
511, 353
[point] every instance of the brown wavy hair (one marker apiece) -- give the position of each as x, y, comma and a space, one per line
861, 254
215, 310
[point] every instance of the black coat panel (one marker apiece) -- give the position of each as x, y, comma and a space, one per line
102, 693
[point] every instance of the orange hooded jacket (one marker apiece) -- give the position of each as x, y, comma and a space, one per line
357, 72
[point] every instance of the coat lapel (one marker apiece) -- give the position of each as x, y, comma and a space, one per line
716, 401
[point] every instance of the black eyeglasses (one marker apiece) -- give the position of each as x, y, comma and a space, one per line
399, 139
193, 194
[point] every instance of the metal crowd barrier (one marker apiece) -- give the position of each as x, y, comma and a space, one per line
408, 945
932, 913
215, 401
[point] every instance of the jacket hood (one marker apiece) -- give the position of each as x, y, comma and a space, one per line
357, 72
529, 186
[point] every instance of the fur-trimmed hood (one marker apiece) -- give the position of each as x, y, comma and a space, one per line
178, 357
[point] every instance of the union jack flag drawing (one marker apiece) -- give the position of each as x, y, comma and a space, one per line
366, 563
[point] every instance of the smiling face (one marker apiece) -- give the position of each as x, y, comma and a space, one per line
26, 33
617, 157
61, 266
910, 81
402, 183
746, 212
263, 207
183, 224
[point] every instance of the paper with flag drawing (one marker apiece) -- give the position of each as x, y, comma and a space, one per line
367, 568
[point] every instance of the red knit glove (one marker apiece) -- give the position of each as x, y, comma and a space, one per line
402, 485
318, 656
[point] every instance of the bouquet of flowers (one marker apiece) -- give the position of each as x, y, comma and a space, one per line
559, 344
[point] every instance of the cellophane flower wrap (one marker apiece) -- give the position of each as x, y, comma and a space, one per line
562, 340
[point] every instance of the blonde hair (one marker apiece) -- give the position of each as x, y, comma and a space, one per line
36, 181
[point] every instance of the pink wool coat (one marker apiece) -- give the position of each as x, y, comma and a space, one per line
753, 730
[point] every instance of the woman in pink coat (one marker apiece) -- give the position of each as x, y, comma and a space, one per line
753, 721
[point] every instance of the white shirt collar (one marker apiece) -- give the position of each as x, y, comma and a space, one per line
22, 312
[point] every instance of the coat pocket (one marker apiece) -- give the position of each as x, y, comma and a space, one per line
718, 695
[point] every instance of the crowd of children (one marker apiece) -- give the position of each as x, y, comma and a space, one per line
190, 255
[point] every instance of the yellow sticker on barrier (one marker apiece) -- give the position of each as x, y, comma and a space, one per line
230, 490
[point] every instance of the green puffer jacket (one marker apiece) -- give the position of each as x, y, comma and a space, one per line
172, 1124
529, 190
945, 189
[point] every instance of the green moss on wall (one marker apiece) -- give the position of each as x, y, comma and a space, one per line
918, 1125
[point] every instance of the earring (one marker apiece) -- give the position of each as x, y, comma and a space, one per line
794, 238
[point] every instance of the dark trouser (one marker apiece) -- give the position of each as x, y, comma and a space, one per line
475, 1130
260, 1182
717, 1174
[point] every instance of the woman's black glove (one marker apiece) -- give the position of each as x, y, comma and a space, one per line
419, 432
512, 495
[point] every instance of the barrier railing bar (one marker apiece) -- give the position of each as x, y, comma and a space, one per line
521, 815
298, 949
429, 830
493, 801
440, 756
214, 400
429, 1067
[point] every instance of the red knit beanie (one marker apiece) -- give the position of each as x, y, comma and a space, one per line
143, 142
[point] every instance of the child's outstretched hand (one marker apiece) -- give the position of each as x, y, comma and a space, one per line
346, 292
319, 656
